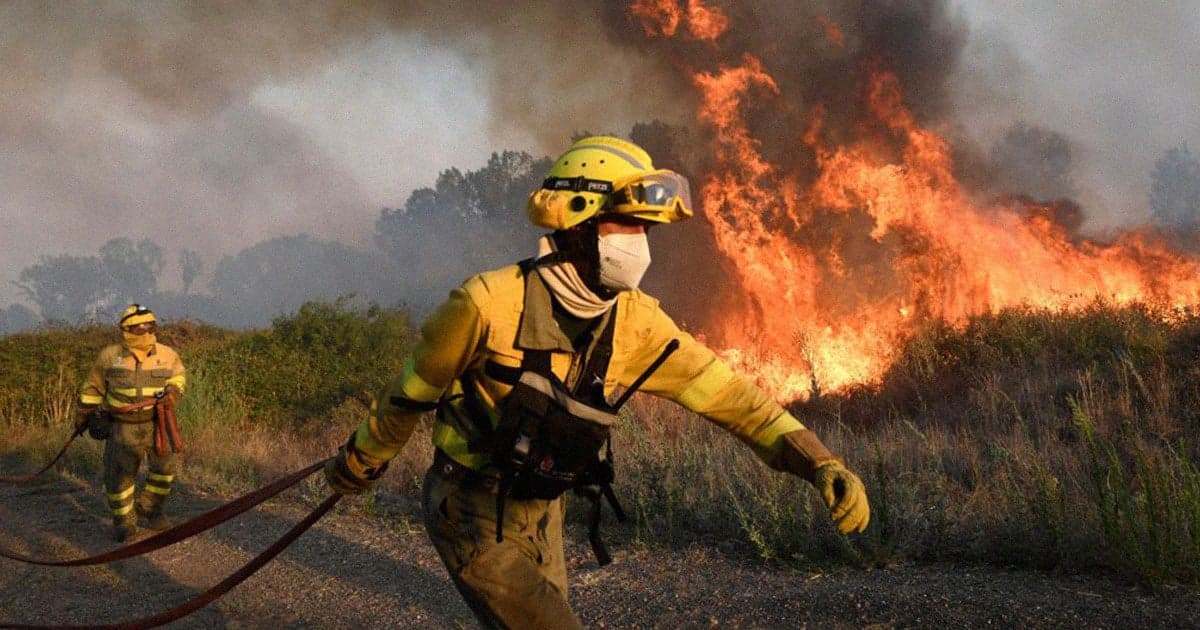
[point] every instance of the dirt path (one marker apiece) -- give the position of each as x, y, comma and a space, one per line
360, 572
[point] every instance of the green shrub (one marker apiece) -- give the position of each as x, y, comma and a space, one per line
310, 362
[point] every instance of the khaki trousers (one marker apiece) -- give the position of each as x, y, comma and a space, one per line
124, 451
518, 583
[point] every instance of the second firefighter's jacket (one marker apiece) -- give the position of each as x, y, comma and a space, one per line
481, 332
119, 379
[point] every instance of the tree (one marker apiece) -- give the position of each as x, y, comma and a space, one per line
66, 289
72, 289
190, 266
1033, 161
277, 276
465, 223
1175, 189
132, 269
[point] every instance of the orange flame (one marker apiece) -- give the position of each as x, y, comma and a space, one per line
704, 22
662, 18
659, 17
951, 257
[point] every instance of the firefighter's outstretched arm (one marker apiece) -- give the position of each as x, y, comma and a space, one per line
695, 378
449, 339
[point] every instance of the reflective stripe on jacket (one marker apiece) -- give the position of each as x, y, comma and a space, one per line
118, 379
491, 318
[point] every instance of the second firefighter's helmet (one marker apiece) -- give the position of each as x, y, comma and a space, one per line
605, 174
135, 314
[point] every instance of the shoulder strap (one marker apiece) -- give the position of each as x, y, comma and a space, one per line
590, 386
534, 360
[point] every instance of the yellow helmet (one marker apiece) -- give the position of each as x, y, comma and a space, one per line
135, 314
604, 174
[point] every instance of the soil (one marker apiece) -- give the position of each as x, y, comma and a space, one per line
359, 571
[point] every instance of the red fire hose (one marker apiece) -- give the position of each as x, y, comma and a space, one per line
27, 478
186, 530
183, 531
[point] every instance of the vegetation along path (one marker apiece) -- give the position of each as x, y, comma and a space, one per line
362, 571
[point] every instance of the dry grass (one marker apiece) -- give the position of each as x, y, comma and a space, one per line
1056, 441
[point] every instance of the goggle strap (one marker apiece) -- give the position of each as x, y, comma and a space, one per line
578, 184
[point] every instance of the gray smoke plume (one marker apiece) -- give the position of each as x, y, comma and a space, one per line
1119, 84
217, 125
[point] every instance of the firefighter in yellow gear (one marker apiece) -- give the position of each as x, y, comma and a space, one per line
128, 386
571, 324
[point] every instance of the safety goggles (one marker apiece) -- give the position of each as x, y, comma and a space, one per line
660, 195
140, 328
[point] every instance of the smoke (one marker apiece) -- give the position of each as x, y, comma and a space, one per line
213, 126
1119, 84
217, 125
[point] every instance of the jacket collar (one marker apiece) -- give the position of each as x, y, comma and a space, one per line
126, 351
537, 329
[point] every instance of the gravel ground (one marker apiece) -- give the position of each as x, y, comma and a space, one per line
352, 571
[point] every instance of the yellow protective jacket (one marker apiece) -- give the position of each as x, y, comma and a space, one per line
493, 318
118, 379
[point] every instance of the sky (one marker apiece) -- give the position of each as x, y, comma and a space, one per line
217, 126
1117, 78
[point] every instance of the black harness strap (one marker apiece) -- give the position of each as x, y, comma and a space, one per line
409, 404
605, 470
503, 373
589, 387
537, 361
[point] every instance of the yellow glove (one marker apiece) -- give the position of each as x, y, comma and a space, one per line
346, 473
845, 495
802, 453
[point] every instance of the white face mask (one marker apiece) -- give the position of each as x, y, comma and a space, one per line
624, 259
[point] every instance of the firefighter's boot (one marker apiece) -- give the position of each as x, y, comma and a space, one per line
125, 527
150, 507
